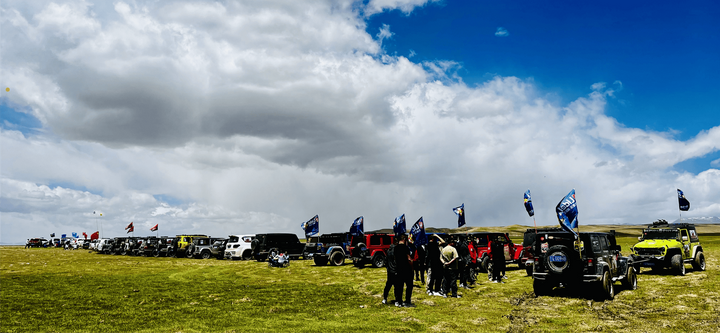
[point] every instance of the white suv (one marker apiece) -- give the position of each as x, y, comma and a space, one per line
238, 247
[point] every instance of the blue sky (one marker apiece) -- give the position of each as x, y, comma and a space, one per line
665, 53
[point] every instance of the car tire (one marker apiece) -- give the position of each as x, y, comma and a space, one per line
205, 254
254, 244
555, 267
156, 253
247, 255
677, 264
541, 288
320, 261
378, 261
699, 263
484, 263
630, 281
337, 258
606, 289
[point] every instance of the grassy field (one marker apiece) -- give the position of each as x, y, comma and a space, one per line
52, 290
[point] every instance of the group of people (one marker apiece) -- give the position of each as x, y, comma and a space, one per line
444, 262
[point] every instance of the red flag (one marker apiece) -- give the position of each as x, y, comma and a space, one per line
132, 228
129, 226
95, 235
154, 228
85, 235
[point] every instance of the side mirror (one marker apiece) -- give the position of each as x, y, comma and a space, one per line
684, 238
639, 238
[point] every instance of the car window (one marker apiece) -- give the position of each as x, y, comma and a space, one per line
693, 235
375, 240
596, 247
684, 233
386, 240
482, 241
604, 243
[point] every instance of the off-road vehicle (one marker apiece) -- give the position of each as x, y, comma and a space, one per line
330, 248
483, 241
207, 248
118, 245
181, 244
528, 254
670, 245
197, 246
147, 246
239, 247
163, 248
370, 248
593, 258
264, 244
218, 248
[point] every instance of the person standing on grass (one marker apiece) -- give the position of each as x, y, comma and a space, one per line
497, 254
449, 259
404, 272
435, 267
463, 263
391, 268
419, 264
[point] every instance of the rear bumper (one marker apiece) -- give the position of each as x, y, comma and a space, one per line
561, 278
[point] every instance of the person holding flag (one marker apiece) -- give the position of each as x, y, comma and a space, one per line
460, 212
311, 226
399, 225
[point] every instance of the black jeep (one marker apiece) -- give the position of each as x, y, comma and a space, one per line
564, 259
330, 248
264, 244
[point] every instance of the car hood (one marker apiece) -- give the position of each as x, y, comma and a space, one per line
655, 243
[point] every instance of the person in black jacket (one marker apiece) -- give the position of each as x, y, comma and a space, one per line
435, 267
497, 251
419, 264
391, 267
404, 271
463, 264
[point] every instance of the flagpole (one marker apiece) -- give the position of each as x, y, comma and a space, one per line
535, 224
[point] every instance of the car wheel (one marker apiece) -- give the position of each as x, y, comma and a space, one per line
541, 288
559, 259
699, 262
337, 258
206, 255
156, 253
378, 261
677, 264
247, 255
630, 281
320, 261
484, 263
254, 244
606, 290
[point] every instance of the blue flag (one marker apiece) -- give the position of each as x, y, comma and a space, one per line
528, 204
357, 229
567, 212
683, 202
460, 211
399, 225
311, 227
52, 234
63, 236
417, 232
75, 234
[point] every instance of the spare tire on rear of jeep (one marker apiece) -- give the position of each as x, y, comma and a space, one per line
560, 259
254, 244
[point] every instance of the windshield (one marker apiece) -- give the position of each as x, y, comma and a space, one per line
660, 234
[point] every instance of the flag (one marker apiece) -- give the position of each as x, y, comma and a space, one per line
683, 202
85, 235
95, 235
311, 226
52, 234
155, 228
567, 212
129, 226
528, 204
74, 234
460, 211
131, 229
357, 229
63, 236
399, 225
417, 232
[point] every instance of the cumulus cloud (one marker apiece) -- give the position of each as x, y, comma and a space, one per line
502, 32
257, 116
406, 6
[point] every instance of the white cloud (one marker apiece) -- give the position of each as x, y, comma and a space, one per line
406, 6
257, 118
502, 32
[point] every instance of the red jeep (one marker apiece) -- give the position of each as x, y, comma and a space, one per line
482, 242
370, 248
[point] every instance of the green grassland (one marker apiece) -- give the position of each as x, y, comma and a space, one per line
52, 290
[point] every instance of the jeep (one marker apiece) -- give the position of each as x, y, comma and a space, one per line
483, 241
671, 245
370, 248
197, 246
118, 245
147, 246
238, 247
329, 248
104, 245
264, 244
163, 247
528, 256
591, 258
181, 244
206, 248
